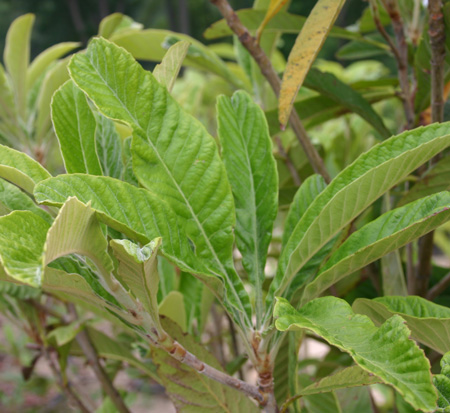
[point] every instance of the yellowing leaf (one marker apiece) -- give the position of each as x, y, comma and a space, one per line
306, 48
274, 7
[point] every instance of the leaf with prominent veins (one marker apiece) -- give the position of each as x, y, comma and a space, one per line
252, 171
173, 155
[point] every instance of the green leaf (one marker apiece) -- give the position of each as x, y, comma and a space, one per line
358, 185
442, 384
429, 322
320, 402
75, 127
13, 199
305, 50
108, 145
274, 8
134, 211
348, 377
191, 178
386, 352
305, 195
109, 348
65, 334
20, 169
434, 180
138, 269
112, 24
17, 56
283, 22
53, 79
42, 62
173, 307
393, 277
330, 86
387, 233
191, 391
167, 71
152, 44
22, 240
251, 169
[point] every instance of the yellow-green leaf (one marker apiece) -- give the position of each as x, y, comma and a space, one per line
307, 46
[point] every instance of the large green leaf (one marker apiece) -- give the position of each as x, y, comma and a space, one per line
20, 169
17, 56
75, 127
134, 211
352, 191
191, 391
43, 61
305, 50
386, 352
251, 168
191, 178
436, 179
330, 86
387, 233
138, 269
429, 322
13, 199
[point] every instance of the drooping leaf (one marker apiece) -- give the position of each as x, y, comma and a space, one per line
191, 391
13, 199
329, 85
75, 127
191, 178
17, 56
386, 352
306, 48
20, 169
429, 322
436, 179
42, 62
167, 71
358, 185
387, 233
108, 145
251, 168
138, 269
128, 209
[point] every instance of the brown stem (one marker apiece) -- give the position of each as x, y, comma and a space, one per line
91, 355
251, 44
287, 160
178, 352
401, 58
437, 42
439, 288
